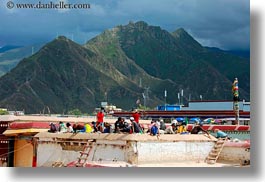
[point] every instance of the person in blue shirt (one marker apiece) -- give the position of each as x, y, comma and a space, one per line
220, 134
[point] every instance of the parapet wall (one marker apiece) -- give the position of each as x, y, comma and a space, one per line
159, 152
130, 148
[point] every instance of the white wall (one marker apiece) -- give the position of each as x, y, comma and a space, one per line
109, 150
173, 151
48, 153
130, 151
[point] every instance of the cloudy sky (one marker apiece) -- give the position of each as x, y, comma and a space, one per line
218, 23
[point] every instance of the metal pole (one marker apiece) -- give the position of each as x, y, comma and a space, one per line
236, 100
144, 97
179, 98
182, 97
237, 113
165, 100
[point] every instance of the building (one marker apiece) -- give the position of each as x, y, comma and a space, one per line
17, 132
30, 145
209, 105
169, 108
4, 142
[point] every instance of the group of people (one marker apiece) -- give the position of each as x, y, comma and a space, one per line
123, 126
68, 128
155, 128
158, 127
120, 126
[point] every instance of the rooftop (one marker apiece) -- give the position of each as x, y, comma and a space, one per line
125, 137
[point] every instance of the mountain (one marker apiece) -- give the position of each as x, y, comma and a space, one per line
118, 66
8, 47
11, 55
61, 76
241, 53
225, 62
176, 57
109, 49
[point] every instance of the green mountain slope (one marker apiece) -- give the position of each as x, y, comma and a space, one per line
61, 76
107, 46
10, 57
178, 57
227, 64
118, 66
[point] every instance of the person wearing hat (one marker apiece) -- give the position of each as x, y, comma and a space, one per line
134, 126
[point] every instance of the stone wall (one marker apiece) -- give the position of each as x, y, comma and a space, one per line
234, 154
131, 150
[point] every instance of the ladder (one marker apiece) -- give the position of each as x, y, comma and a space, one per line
82, 159
58, 164
215, 152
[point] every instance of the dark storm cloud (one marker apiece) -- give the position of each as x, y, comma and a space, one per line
221, 23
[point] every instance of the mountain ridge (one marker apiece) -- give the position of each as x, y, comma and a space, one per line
118, 66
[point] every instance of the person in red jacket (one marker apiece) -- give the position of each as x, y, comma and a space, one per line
136, 115
100, 122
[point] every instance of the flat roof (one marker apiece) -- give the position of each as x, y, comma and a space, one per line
125, 137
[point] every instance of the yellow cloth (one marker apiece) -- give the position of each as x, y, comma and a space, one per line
182, 129
88, 128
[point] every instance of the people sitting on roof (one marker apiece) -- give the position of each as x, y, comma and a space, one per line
150, 126
182, 129
162, 125
221, 134
88, 128
154, 131
53, 128
62, 127
107, 128
94, 127
198, 128
79, 128
171, 129
69, 128
135, 128
119, 125
127, 127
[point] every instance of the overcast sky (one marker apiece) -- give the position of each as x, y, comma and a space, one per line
217, 23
